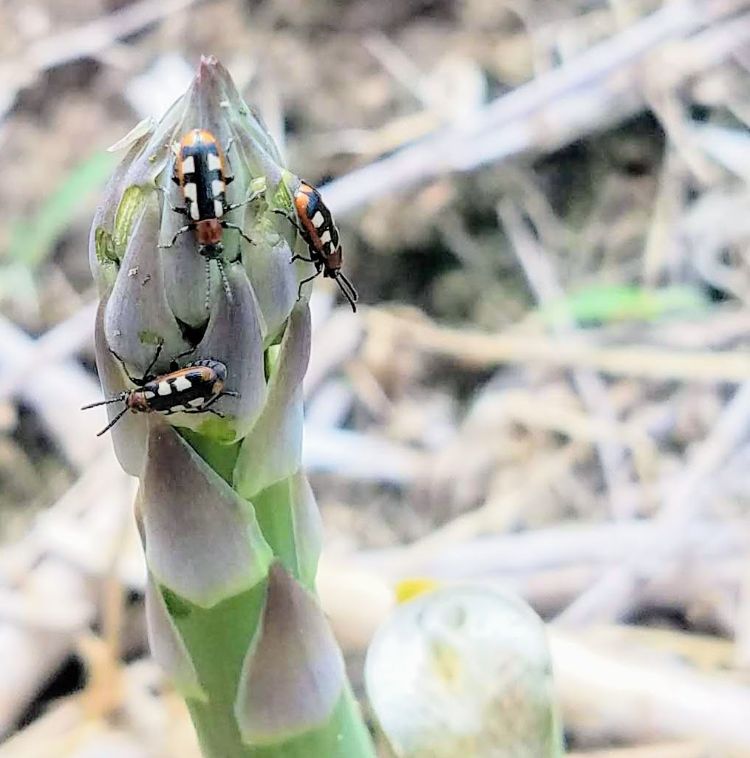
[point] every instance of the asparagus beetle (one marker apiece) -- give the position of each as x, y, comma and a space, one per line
191, 389
318, 230
200, 172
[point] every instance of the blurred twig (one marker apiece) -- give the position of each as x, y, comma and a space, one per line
591, 388
595, 89
86, 40
55, 390
88, 527
476, 349
614, 593
606, 692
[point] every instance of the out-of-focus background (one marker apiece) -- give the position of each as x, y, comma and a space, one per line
545, 208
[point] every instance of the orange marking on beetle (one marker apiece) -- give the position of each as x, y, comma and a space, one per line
204, 372
195, 138
300, 202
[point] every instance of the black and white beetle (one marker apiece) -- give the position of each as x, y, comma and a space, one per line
200, 172
318, 230
191, 389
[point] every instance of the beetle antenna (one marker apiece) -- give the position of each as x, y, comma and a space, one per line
111, 400
207, 302
225, 281
347, 288
113, 422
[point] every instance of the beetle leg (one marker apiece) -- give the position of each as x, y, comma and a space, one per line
151, 365
181, 209
146, 376
305, 281
229, 225
289, 219
181, 230
125, 369
300, 258
254, 196
174, 365
204, 409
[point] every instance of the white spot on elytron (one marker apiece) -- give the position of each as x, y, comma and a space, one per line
318, 219
214, 163
196, 401
163, 388
191, 193
218, 208
188, 165
175, 409
217, 187
325, 238
148, 394
182, 383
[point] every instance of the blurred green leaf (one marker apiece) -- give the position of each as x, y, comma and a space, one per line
33, 238
17, 283
609, 303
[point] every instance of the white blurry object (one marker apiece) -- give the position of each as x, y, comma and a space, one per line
464, 671
157, 88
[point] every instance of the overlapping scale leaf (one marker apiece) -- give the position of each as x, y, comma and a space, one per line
167, 647
137, 317
234, 336
272, 448
202, 541
102, 254
129, 433
269, 263
293, 675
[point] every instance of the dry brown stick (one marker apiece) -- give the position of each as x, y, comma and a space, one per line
476, 349
555, 548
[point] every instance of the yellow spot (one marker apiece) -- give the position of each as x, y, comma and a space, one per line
408, 589
446, 664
